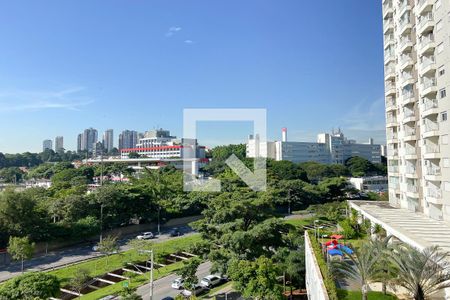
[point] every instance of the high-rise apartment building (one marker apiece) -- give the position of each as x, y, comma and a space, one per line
87, 139
59, 143
47, 145
128, 139
417, 76
108, 140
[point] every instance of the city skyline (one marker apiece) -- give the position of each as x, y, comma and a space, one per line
143, 73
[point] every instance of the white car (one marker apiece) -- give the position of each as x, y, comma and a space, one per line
177, 283
211, 281
197, 291
145, 236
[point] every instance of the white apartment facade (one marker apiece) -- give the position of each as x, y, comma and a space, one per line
329, 148
417, 81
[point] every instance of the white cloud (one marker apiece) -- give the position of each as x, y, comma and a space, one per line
189, 42
172, 30
28, 100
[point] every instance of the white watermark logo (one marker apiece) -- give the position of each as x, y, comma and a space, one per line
256, 180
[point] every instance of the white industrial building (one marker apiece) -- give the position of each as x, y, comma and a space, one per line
329, 148
370, 184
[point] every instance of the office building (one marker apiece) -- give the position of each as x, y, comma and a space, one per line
47, 145
79, 139
108, 140
59, 143
329, 148
128, 139
417, 52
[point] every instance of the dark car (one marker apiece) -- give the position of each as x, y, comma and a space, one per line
167, 298
175, 232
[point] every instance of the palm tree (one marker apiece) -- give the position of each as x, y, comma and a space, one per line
421, 273
364, 266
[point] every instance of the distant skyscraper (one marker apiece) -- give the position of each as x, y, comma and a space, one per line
87, 139
79, 142
59, 143
128, 139
47, 144
108, 140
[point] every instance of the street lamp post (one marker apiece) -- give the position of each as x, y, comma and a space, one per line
151, 272
101, 222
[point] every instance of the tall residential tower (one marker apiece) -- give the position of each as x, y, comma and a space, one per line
416, 60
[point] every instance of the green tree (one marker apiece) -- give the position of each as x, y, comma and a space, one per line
134, 155
256, 279
359, 166
30, 286
188, 273
224, 152
108, 245
421, 273
79, 279
364, 268
20, 248
128, 293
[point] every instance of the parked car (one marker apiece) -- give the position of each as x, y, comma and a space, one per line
167, 298
175, 232
211, 281
178, 283
145, 236
199, 289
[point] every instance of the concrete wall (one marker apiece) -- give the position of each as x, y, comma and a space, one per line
314, 280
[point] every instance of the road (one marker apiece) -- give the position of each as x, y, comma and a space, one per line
162, 288
58, 259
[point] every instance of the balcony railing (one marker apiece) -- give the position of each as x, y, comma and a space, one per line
411, 188
425, 40
431, 149
410, 150
428, 83
431, 126
387, 6
430, 104
392, 152
388, 23
392, 135
434, 193
424, 19
408, 113
406, 76
426, 62
390, 102
404, 59
391, 120
393, 169
389, 86
389, 70
410, 170
404, 41
404, 23
434, 171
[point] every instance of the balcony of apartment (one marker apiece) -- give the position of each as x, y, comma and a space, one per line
404, 7
426, 43
430, 128
389, 56
389, 40
391, 153
405, 44
389, 72
410, 135
434, 195
412, 190
391, 120
408, 96
406, 78
423, 6
427, 65
410, 153
390, 88
432, 151
411, 171
433, 173
404, 26
425, 23
392, 137
388, 9
393, 169
428, 86
408, 115
429, 107
391, 104
406, 61
388, 25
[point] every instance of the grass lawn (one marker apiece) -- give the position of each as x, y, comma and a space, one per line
103, 265
356, 295
299, 222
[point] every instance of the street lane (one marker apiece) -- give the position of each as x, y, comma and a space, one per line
162, 288
58, 259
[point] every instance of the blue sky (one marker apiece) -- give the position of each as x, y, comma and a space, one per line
69, 65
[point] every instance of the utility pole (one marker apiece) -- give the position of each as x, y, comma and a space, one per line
101, 222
